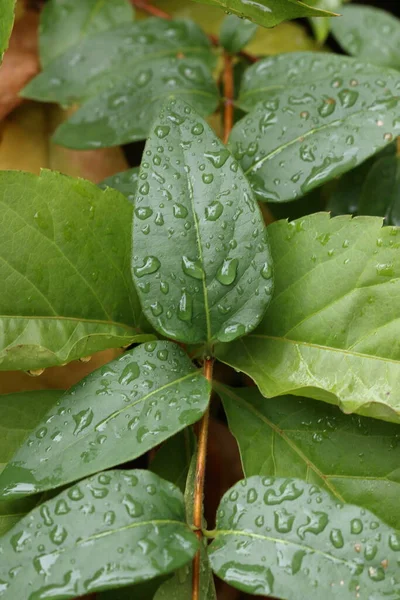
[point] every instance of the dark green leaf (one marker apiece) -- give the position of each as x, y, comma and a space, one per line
380, 194
113, 415
276, 535
64, 23
173, 460
125, 112
64, 255
370, 33
268, 13
103, 60
297, 140
201, 262
125, 182
19, 414
355, 458
140, 591
114, 529
332, 329
6, 23
236, 33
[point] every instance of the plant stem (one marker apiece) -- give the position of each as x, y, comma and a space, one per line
199, 483
228, 93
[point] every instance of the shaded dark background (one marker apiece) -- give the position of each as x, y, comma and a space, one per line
392, 6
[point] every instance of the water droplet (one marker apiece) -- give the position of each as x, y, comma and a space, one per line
348, 98
218, 158
214, 210
207, 177
356, 526
283, 520
185, 307
228, 271
192, 268
336, 538
62, 508
385, 270
156, 308
82, 420
232, 331
143, 212
266, 271
133, 507
150, 265
162, 131
180, 211
164, 287
58, 535
197, 129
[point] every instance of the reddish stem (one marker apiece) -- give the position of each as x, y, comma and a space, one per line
228, 93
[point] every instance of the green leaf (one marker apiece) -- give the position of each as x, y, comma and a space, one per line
380, 194
268, 13
277, 535
321, 25
125, 182
6, 23
295, 141
354, 458
114, 529
173, 459
140, 591
64, 23
108, 58
126, 112
19, 414
369, 33
331, 331
236, 33
201, 261
113, 415
64, 254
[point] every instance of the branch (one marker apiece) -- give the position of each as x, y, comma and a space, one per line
228, 93
199, 484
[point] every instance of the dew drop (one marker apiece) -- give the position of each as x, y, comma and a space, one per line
228, 271
150, 265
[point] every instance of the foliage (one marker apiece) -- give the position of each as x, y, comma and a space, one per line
179, 266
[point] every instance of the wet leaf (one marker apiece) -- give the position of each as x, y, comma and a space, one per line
268, 13
125, 112
236, 33
65, 23
275, 535
380, 194
201, 263
354, 458
19, 414
140, 591
111, 530
331, 331
173, 459
6, 23
69, 291
125, 182
311, 133
113, 415
110, 56
369, 33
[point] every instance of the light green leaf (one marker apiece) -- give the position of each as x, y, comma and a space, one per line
268, 13
114, 529
125, 182
277, 535
380, 194
6, 23
309, 134
236, 33
201, 262
64, 23
321, 25
173, 459
19, 414
369, 33
354, 458
64, 258
125, 112
113, 415
332, 329
108, 58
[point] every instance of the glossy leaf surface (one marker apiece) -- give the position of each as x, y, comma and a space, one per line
19, 414
331, 331
113, 415
276, 535
201, 262
297, 140
110, 56
6, 23
354, 458
64, 248
64, 23
267, 13
236, 33
380, 194
116, 528
125, 112
369, 33
125, 182
173, 459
